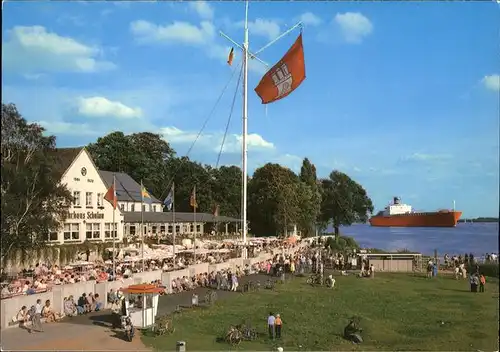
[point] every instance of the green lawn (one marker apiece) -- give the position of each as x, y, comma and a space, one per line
398, 312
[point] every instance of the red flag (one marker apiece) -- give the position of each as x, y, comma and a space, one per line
192, 200
111, 196
230, 57
284, 77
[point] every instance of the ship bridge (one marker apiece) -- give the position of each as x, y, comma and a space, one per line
397, 208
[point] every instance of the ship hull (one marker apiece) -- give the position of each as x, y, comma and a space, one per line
436, 219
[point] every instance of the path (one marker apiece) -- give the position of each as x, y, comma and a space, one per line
93, 331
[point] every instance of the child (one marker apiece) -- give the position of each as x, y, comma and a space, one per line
278, 323
482, 282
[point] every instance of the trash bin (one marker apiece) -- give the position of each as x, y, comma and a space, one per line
194, 300
181, 346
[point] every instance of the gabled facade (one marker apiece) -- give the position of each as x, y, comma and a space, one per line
90, 216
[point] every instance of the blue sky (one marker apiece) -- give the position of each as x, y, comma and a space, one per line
403, 97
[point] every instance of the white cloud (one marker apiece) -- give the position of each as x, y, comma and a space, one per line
310, 19
213, 141
427, 157
492, 82
354, 26
269, 29
68, 128
202, 8
34, 49
178, 32
101, 107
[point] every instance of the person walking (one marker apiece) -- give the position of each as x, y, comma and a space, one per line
270, 324
37, 323
278, 324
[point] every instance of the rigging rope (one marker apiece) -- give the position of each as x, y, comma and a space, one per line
209, 116
229, 118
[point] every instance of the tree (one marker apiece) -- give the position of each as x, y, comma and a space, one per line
187, 174
311, 207
344, 201
226, 191
275, 198
143, 156
33, 200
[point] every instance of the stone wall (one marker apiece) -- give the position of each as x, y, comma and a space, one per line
10, 306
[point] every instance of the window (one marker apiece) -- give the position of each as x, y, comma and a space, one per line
154, 208
52, 236
177, 228
93, 231
88, 199
108, 228
191, 228
154, 229
143, 207
71, 232
198, 228
132, 230
75, 231
99, 199
122, 207
76, 198
132, 207
162, 228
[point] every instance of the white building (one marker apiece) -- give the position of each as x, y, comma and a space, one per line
90, 216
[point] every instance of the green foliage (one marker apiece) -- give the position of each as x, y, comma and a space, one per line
33, 200
487, 269
341, 243
344, 201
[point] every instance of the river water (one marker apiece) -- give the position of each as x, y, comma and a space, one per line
475, 238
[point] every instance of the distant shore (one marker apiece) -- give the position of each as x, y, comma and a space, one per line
480, 219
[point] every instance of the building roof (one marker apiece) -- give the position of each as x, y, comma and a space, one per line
164, 217
63, 157
127, 189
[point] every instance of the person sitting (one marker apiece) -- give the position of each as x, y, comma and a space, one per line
351, 332
330, 281
48, 313
97, 302
70, 309
23, 318
82, 303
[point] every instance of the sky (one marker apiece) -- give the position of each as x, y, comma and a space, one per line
401, 96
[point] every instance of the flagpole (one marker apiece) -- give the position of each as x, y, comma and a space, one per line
173, 219
244, 137
142, 226
114, 227
194, 218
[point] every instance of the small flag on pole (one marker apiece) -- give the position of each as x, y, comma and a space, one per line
230, 57
111, 196
192, 200
285, 76
146, 197
169, 201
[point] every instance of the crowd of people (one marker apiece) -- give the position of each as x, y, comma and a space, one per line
43, 276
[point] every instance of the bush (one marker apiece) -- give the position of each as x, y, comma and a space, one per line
487, 269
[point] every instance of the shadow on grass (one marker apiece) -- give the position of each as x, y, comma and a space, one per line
454, 289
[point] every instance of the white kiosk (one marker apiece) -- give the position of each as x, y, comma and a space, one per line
141, 304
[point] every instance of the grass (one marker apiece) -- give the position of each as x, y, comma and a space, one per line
398, 312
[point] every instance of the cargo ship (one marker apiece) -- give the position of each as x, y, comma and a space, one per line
402, 215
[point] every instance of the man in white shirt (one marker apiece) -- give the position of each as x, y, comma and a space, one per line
37, 323
270, 323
